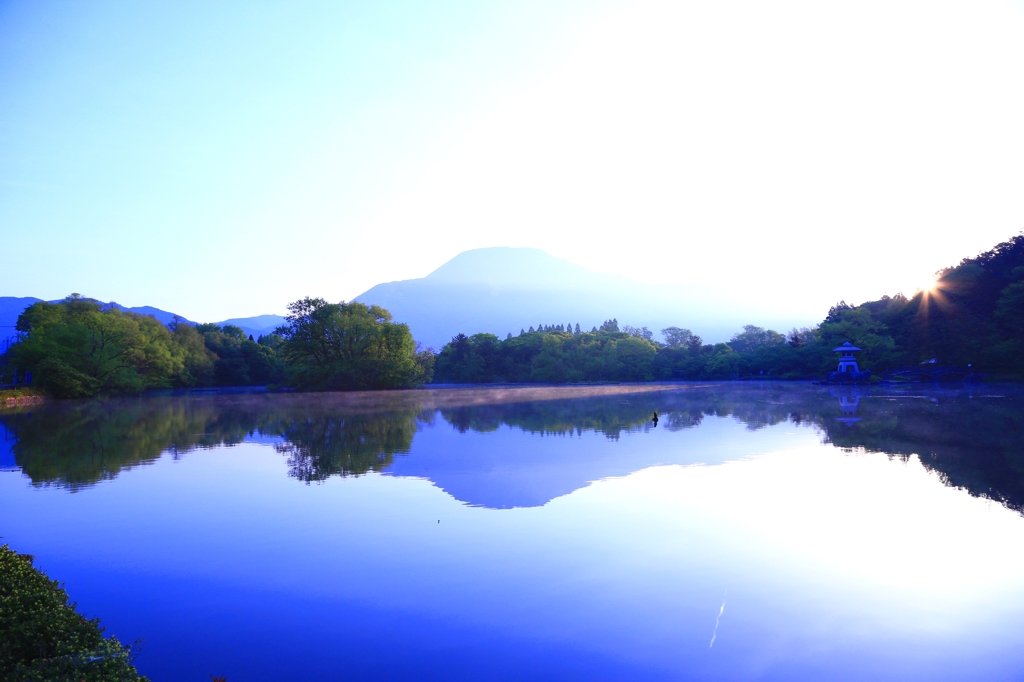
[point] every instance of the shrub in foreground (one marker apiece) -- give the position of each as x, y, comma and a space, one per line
43, 638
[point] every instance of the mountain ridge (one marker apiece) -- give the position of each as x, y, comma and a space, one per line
501, 290
11, 307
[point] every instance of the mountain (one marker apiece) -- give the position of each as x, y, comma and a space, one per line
502, 290
257, 326
161, 315
11, 307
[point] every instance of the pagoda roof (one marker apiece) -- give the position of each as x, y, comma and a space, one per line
845, 347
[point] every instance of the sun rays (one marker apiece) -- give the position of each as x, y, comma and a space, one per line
932, 294
929, 285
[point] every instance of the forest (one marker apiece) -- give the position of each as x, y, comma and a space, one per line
974, 315
77, 348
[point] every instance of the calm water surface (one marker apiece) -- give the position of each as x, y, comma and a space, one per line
776, 532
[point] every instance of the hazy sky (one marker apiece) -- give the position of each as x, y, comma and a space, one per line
221, 159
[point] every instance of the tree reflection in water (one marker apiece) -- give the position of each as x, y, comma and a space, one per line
972, 438
320, 446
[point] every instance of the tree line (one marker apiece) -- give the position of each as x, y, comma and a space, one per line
974, 315
76, 348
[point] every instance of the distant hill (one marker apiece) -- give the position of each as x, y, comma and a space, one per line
11, 307
161, 315
257, 326
502, 290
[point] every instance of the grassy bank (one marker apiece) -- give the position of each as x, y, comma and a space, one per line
18, 397
44, 639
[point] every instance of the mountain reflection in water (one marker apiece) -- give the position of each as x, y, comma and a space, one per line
971, 437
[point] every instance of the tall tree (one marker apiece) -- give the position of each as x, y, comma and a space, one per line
348, 346
676, 337
77, 348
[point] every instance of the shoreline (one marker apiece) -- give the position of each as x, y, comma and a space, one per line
21, 397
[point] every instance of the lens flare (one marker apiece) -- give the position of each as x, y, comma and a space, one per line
928, 285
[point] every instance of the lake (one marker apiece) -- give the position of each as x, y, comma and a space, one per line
779, 531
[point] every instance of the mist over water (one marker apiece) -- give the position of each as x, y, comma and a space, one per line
775, 531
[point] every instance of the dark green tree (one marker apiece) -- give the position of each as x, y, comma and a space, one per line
348, 346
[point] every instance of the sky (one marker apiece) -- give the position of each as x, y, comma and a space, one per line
222, 159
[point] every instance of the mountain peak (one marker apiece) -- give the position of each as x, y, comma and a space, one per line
503, 266
502, 290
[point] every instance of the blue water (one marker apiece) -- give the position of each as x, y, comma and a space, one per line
738, 547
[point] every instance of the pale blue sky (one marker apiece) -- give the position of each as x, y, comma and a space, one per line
137, 140
221, 159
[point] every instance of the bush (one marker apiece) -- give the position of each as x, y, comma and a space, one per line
43, 638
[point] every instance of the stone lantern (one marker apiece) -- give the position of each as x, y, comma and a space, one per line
847, 360
848, 368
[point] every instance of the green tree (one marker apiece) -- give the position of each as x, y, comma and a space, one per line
862, 329
1009, 310
722, 363
348, 346
752, 338
76, 349
240, 361
676, 337
197, 360
634, 359
549, 365
639, 332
